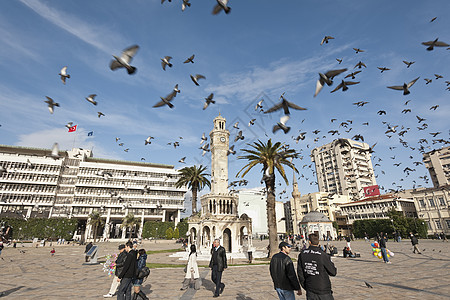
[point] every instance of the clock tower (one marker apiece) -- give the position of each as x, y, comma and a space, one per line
220, 141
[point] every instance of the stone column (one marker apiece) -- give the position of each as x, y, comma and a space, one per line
107, 229
142, 224
177, 219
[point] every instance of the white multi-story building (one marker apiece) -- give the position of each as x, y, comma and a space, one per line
75, 184
344, 167
438, 164
377, 208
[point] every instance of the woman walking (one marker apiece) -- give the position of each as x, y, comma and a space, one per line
192, 271
137, 283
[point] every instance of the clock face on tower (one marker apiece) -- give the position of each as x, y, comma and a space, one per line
222, 139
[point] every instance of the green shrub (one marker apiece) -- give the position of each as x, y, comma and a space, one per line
169, 233
53, 228
176, 233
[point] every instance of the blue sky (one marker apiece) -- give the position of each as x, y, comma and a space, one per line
258, 51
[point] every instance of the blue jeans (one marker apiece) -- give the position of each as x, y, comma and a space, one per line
124, 290
285, 294
384, 254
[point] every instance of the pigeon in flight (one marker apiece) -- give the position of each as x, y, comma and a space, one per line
69, 125
251, 122
166, 62
190, 59
209, 100
427, 80
352, 75
148, 140
301, 136
359, 65
344, 86
184, 4
259, 104
236, 125
326, 39
408, 63
339, 60
405, 87
282, 125
204, 138
357, 50
368, 285
231, 150
168, 98
435, 43
182, 160
326, 78
284, 104
91, 98
438, 76
239, 136
221, 4
196, 78
51, 104
55, 151
124, 60
63, 74
100, 114
382, 69
433, 19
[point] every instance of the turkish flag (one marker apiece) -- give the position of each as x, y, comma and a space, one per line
73, 128
372, 190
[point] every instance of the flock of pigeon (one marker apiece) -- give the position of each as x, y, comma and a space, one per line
325, 79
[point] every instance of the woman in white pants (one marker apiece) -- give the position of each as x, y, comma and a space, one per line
192, 271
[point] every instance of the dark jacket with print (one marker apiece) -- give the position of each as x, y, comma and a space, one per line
314, 268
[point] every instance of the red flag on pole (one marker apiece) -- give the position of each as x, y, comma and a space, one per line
372, 190
73, 128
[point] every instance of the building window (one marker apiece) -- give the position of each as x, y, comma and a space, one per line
438, 224
448, 223
441, 201
422, 203
431, 201
429, 225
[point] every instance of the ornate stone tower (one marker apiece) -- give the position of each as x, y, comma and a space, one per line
219, 216
220, 141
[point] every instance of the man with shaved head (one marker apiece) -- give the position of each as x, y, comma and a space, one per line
217, 264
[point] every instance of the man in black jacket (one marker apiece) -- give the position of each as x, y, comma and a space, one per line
283, 274
218, 264
120, 260
314, 268
127, 274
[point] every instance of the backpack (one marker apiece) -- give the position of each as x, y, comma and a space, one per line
144, 272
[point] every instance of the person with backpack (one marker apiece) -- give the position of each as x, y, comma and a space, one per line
137, 282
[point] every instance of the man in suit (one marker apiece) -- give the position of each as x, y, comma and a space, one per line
217, 264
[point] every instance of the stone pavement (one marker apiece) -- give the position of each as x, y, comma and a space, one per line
36, 275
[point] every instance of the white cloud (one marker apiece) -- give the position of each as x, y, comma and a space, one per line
93, 35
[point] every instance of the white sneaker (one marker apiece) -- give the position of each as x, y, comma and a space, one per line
108, 295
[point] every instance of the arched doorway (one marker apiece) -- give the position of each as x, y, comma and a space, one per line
206, 237
192, 236
243, 236
227, 240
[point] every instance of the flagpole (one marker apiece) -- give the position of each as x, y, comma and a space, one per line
74, 138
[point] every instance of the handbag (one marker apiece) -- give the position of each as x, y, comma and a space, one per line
144, 272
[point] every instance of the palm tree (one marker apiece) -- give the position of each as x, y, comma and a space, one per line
271, 157
195, 180
129, 221
95, 219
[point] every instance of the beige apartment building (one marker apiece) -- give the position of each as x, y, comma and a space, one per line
344, 167
438, 164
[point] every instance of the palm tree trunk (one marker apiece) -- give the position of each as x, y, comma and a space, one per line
194, 200
271, 217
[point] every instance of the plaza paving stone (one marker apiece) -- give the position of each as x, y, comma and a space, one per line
36, 275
